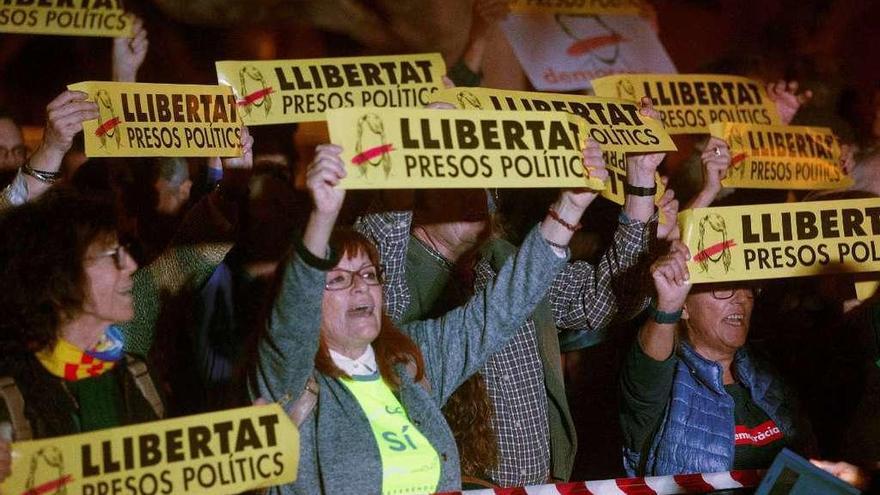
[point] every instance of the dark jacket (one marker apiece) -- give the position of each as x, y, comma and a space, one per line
51, 409
696, 434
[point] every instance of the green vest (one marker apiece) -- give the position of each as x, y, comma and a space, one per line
410, 463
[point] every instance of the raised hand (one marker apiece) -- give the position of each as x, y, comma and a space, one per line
643, 166
594, 164
323, 177
716, 162
129, 53
64, 118
787, 99
670, 275
667, 229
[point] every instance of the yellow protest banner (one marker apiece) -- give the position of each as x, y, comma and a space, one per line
782, 240
781, 157
688, 103
578, 7
70, 17
221, 452
140, 119
282, 91
403, 148
644, 134
615, 124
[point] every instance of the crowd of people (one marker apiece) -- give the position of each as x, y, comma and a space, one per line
416, 338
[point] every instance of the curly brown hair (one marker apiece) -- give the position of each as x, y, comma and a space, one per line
42, 248
469, 413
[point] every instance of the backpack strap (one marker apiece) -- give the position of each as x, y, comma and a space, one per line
11, 395
144, 383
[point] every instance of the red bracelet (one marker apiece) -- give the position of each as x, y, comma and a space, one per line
555, 216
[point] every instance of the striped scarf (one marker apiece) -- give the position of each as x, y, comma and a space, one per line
71, 363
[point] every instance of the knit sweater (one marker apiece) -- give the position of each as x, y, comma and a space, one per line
338, 453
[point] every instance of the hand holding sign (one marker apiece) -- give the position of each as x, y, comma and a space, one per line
716, 161
787, 99
64, 119
129, 53
670, 274
594, 164
322, 179
641, 167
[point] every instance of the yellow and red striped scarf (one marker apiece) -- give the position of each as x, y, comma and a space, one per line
71, 363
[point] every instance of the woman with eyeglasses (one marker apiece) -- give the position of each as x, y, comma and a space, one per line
67, 281
377, 425
695, 400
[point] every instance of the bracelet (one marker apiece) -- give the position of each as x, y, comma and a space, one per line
555, 216
663, 317
40, 175
639, 191
557, 245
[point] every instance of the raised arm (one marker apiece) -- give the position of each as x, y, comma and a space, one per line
129, 53
64, 117
457, 344
787, 99
587, 297
484, 21
670, 275
199, 245
647, 374
286, 355
716, 162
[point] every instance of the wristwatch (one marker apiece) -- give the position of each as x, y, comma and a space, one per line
639, 191
663, 317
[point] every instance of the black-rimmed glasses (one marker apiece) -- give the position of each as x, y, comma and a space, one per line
340, 279
728, 292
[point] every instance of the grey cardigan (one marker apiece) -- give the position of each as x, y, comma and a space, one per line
338, 453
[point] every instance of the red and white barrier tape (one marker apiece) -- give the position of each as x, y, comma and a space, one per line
654, 485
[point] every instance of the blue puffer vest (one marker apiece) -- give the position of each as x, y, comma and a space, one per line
696, 434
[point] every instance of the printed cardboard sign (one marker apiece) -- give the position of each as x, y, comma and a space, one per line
688, 103
782, 240
782, 157
66, 17
222, 452
591, 109
564, 52
615, 124
283, 91
430, 149
140, 119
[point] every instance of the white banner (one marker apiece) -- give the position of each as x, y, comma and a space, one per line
564, 52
